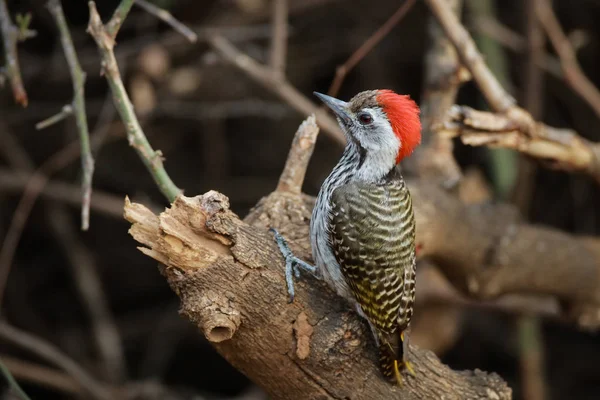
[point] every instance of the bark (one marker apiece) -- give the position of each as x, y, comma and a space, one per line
229, 276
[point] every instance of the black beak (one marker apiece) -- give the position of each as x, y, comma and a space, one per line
339, 107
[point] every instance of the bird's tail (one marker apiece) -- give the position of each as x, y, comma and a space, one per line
391, 356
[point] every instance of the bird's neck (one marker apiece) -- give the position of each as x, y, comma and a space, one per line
367, 166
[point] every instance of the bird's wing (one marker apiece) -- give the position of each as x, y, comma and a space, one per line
372, 232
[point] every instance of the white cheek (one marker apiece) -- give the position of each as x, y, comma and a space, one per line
380, 135
381, 145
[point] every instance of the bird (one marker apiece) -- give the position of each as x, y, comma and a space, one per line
362, 229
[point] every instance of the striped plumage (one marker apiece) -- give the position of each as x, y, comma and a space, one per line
363, 226
372, 233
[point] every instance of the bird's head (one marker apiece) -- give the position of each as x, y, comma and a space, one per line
380, 122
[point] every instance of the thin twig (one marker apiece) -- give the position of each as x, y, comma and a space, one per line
168, 18
10, 36
114, 25
13, 384
367, 46
279, 37
53, 355
66, 111
78, 107
282, 88
573, 73
303, 144
137, 139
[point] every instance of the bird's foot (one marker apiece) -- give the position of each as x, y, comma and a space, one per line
402, 366
407, 366
292, 263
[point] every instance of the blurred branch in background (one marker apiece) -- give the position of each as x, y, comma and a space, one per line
556, 148
368, 45
102, 202
265, 76
444, 75
13, 385
48, 352
512, 127
11, 35
519, 44
573, 73
168, 19
279, 38
529, 326
90, 289
42, 375
470, 56
78, 109
503, 163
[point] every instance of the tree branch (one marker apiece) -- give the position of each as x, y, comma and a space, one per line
137, 139
491, 88
573, 73
229, 275
48, 352
102, 202
114, 25
564, 148
279, 37
292, 177
434, 159
10, 37
558, 148
368, 45
282, 88
78, 107
168, 18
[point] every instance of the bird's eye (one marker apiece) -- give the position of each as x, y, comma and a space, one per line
365, 118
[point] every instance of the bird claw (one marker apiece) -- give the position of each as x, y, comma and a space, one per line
407, 365
292, 263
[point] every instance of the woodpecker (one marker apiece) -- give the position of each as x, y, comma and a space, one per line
362, 228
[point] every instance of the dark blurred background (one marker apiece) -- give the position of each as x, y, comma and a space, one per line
219, 130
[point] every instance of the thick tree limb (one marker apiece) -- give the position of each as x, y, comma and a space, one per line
229, 276
486, 251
